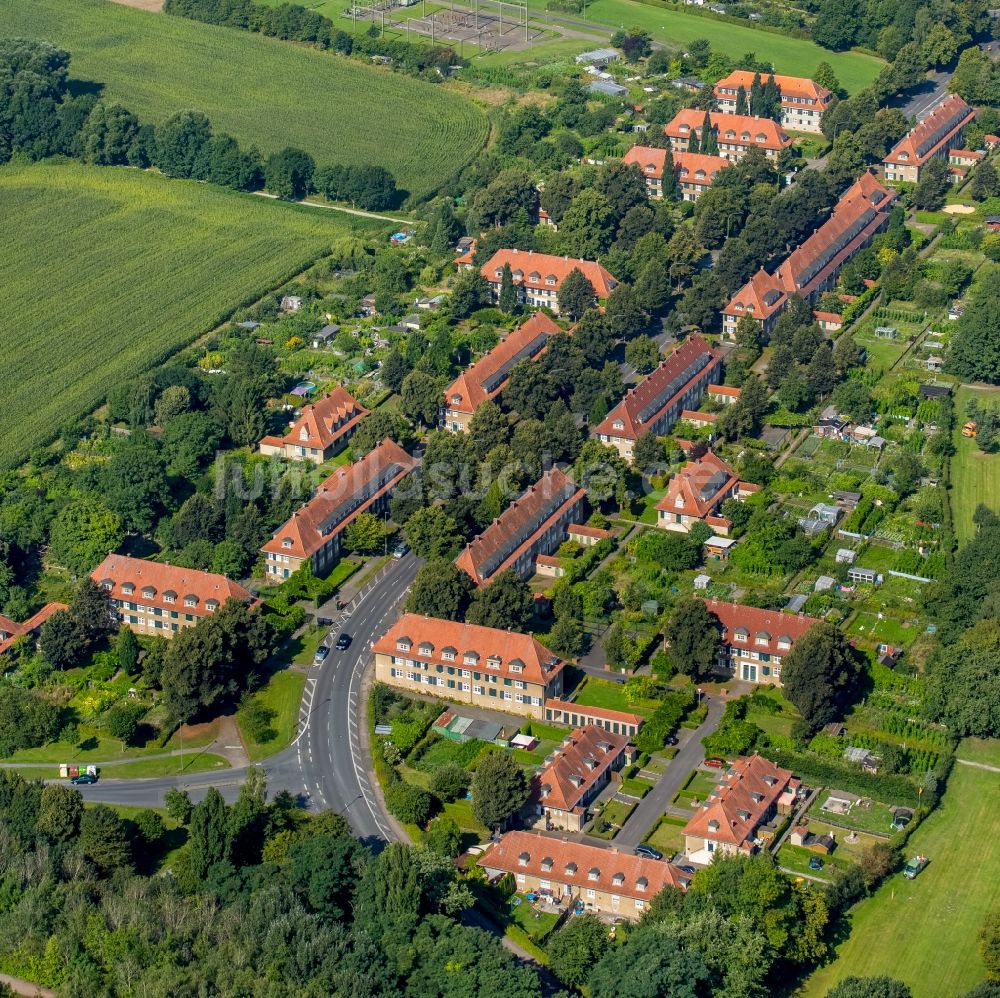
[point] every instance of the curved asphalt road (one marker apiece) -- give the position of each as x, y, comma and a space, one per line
326, 764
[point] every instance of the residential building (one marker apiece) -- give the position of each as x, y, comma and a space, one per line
573, 776
539, 276
739, 816
618, 722
10, 630
965, 157
934, 137
829, 322
486, 378
321, 430
812, 268
696, 493
313, 533
152, 597
803, 101
483, 666
533, 524
655, 404
723, 394
755, 641
587, 536
694, 171
599, 880
736, 133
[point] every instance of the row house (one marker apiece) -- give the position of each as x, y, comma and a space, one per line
486, 378
10, 630
539, 276
573, 776
736, 133
533, 524
694, 171
755, 640
696, 493
655, 404
740, 815
313, 533
599, 881
812, 268
155, 598
803, 101
466, 663
321, 430
618, 722
940, 132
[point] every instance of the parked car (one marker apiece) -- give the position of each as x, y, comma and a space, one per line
715, 763
815, 863
324, 621
648, 852
915, 865
400, 550
343, 642
83, 780
689, 870
320, 657
671, 739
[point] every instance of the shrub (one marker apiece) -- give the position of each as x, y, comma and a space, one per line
408, 803
450, 782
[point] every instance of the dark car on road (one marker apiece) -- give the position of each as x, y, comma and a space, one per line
343, 642
690, 870
83, 780
648, 852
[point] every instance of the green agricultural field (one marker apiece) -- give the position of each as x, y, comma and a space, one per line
925, 931
263, 91
106, 271
975, 476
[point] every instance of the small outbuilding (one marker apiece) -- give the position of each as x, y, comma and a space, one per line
321, 338
845, 556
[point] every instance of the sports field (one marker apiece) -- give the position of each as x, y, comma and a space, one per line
975, 476
925, 931
263, 91
105, 271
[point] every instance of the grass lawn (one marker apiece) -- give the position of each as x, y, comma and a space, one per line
984, 750
888, 629
609, 822
595, 692
263, 91
282, 693
636, 787
975, 476
178, 253
150, 768
668, 836
537, 924
461, 812
796, 860
877, 818
302, 649
925, 931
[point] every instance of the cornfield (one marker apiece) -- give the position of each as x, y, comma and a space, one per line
106, 271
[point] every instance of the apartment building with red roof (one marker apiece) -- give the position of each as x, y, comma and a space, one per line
534, 524
155, 598
618, 722
812, 268
739, 816
573, 776
486, 378
803, 101
313, 532
696, 493
655, 404
10, 630
756, 640
569, 873
941, 131
694, 171
539, 276
466, 663
736, 134
723, 394
321, 430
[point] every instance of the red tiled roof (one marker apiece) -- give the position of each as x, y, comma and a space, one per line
118, 571
922, 141
323, 422
430, 639
14, 630
651, 161
693, 416
745, 129
760, 297
745, 794
580, 761
697, 488
548, 559
582, 530
643, 404
827, 316
502, 542
603, 712
486, 378
536, 268
790, 86
972, 154
760, 625
330, 509
571, 863
727, 390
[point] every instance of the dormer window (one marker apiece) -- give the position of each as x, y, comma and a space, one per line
107, 585
148, 592
741, 634
595, 874
212, 605
551, 280
761, 137
685, 129
784, 642
700, 174
470, 658
456, 400
449, 654
762, 638
522, 860
757, 798
190, 600
498, 274
169, 597
904, 155
128, 588
618, 879
286, 542
770, 780
650, 168
518, 275
534, 277
547, 864
641, 884
426, 648
618, 424
713, 825
743, 815
516, 665
303, 434
404, 644
571, 869
492, 661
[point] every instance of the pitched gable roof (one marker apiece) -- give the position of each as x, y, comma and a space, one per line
696, 488
171, 585
655, 392
789, 86
325, 421
757, 628
921, 142
429, 637
649, 159
336, 503
486, 378
533, 270
577, 764
697, 167
745, 129
760, 297
10, 630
